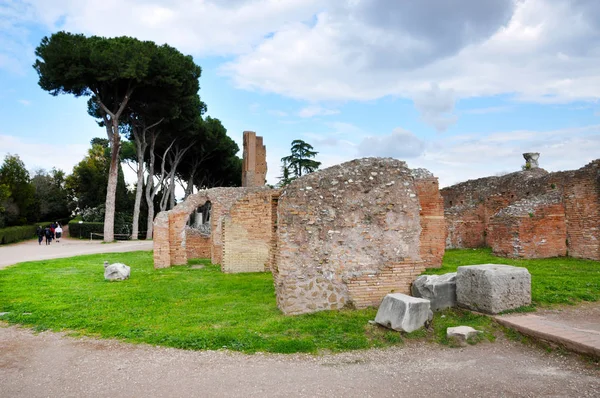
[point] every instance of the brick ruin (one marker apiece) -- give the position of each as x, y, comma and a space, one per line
254, 164
528, 214
341, 237
350, 234
175, 241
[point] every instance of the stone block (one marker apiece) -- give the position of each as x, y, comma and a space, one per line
403, 313
460, 334
492, 288
440, 290
116, 271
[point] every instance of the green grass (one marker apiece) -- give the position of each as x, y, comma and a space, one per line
205, 309
560, 280
177, 307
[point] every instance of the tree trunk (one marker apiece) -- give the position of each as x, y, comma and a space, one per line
141, 147
111, 189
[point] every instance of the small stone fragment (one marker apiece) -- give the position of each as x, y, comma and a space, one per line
116, 271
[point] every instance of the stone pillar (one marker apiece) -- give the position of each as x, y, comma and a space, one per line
531, 160
254, 165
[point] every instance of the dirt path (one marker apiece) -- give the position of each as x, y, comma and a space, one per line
51, 365
31, 251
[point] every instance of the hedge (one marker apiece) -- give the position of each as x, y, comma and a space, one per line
16, 234
83, 230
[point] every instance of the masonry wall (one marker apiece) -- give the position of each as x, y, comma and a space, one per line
254, 163
197, 245
248, 234
433, 228
347, 236
170, 227
537, 232
582, 207
471, 206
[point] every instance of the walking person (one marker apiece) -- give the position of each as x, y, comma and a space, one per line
48, 235
40, 234
58, 232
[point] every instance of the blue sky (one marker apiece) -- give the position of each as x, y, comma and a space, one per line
461, 88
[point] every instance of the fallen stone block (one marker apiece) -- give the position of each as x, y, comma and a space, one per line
460, 334
492, 288
116, 271
403, 313
440, 290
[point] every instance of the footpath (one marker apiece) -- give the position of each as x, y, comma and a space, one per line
576, 328
31, 251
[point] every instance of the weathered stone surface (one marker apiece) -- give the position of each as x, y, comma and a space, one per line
460, 334
440, 290
403, 313
350, 234
116, 271
492, 288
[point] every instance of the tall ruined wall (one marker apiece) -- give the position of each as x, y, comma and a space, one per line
530, 228
347, 236
254, 163
582, 208
433, 228
471, 206
248, 234
170, 236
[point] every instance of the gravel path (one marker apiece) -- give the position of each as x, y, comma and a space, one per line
31, 251
53, 365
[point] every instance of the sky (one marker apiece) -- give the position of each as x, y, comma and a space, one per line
459, 87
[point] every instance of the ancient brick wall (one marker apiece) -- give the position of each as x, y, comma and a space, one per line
248, 234
170, 236
347, 236
254, 163
197, 245
582, 207
530, 228
433, 227
470, 205
471, 208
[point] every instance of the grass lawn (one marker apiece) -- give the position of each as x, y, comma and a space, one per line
205, 309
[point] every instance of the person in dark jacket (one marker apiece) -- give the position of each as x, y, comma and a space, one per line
48, 234
40, 234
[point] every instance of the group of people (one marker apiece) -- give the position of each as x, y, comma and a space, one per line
51, 232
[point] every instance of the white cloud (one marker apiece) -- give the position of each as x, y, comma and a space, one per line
436, 106
38, 155
24, 102
401, 144
538, 50
276, 112
311, 111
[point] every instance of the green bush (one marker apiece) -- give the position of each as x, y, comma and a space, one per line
16, 234
84, 229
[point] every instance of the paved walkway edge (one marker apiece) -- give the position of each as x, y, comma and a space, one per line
571, 344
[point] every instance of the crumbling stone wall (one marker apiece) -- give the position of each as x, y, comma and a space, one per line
248, 233
471, 207
530, 228
254, 163
170, 238
348, 235
582, 208
433, 228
